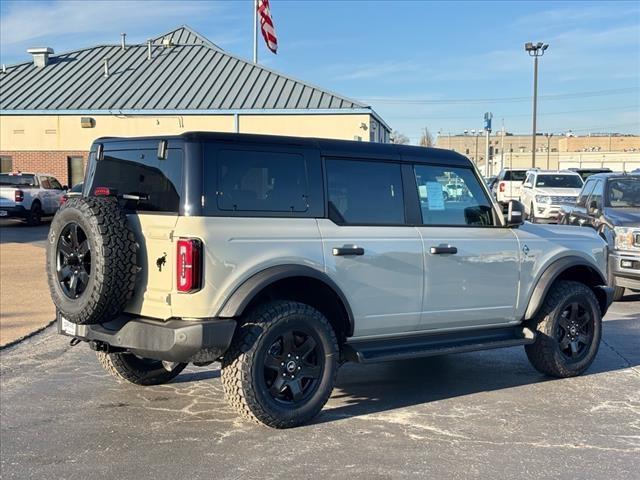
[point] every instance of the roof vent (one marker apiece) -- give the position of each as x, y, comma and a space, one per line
40, 56
123, 44
167, 42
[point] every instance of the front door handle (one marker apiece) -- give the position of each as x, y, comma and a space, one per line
443, 249
347, 250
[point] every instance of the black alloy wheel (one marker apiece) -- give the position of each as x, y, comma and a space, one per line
574, 331
292, 369
73, 260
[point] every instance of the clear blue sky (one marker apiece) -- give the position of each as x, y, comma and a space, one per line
412, 61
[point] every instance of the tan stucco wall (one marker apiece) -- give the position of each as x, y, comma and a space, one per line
63, 132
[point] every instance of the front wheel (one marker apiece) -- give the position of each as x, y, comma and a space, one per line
569, 327
141, 371
281, 365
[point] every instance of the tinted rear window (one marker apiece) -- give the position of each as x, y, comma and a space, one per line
17, 180
141, 173
515, 175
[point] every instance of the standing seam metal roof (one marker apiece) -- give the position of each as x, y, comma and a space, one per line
194, 74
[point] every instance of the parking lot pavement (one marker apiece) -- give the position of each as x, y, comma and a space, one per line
25, 306
478, 415
15, 231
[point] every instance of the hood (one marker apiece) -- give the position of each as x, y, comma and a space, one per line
623, 217
563, 192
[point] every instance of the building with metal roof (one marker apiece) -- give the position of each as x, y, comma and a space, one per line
57, 104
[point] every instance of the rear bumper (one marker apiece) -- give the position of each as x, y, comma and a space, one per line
17, 211
174, 340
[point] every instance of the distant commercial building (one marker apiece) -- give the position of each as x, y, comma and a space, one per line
617, 151
53, 107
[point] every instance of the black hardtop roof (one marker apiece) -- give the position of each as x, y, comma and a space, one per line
327, 147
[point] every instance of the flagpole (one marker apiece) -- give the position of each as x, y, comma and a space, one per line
255, 31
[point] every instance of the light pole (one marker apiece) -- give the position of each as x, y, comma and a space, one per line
548, 135
535, 51
487, 128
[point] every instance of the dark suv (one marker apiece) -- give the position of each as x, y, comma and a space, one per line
610, 203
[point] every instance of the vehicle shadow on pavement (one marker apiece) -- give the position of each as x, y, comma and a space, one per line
370, 389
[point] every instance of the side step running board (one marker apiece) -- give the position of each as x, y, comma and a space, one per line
370, 351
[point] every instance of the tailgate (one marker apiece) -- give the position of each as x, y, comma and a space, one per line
7, 197
156, 258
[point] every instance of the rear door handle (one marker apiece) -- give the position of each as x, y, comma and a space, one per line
443, 249
342, 251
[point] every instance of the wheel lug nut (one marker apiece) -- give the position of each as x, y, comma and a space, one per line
298, 368
292, 376
282, 364
284, 374
297, 357
288, 355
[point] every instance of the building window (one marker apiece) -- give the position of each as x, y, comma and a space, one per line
497, 151
6, 164
467, 151
75, 170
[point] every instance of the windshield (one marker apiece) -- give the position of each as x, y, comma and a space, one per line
515, 175
559, 181
18, 180
623, 192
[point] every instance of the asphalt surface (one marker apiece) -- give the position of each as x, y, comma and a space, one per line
15, 231
478, 415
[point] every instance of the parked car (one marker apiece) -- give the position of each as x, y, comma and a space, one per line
587, 172
75, 191
610, 203
284, 257
543, 192
29, 196
508, 185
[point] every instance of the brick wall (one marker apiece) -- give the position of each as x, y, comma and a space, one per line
44, 162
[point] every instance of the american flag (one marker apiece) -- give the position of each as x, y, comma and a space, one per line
266, 25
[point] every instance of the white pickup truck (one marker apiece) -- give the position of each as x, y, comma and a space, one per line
29, 196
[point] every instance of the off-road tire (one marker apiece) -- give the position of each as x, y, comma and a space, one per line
545, 354
618, 293
243, 363
113, 260
141, 371
34, 217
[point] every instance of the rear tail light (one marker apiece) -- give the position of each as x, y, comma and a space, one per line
503, 186
63, 199
19, 196
189, 265
101, 191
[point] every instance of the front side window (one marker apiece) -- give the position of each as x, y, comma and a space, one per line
596, 196
262, 181
365, 193
559, 181
452, 196
586, 191
55, 184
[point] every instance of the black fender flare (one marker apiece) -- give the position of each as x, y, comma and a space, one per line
250, 288
550, 275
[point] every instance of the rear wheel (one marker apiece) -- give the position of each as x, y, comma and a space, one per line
34, 217
141, 371
569, 327
281, 365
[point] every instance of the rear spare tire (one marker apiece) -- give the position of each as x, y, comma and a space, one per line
91, 260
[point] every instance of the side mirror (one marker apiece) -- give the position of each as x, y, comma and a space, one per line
65, 187
593, 207
515, 214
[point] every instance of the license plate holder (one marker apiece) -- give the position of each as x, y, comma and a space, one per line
67, 327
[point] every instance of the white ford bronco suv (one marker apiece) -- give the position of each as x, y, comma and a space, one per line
284, 257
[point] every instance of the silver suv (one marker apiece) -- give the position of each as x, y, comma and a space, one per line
284, 257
